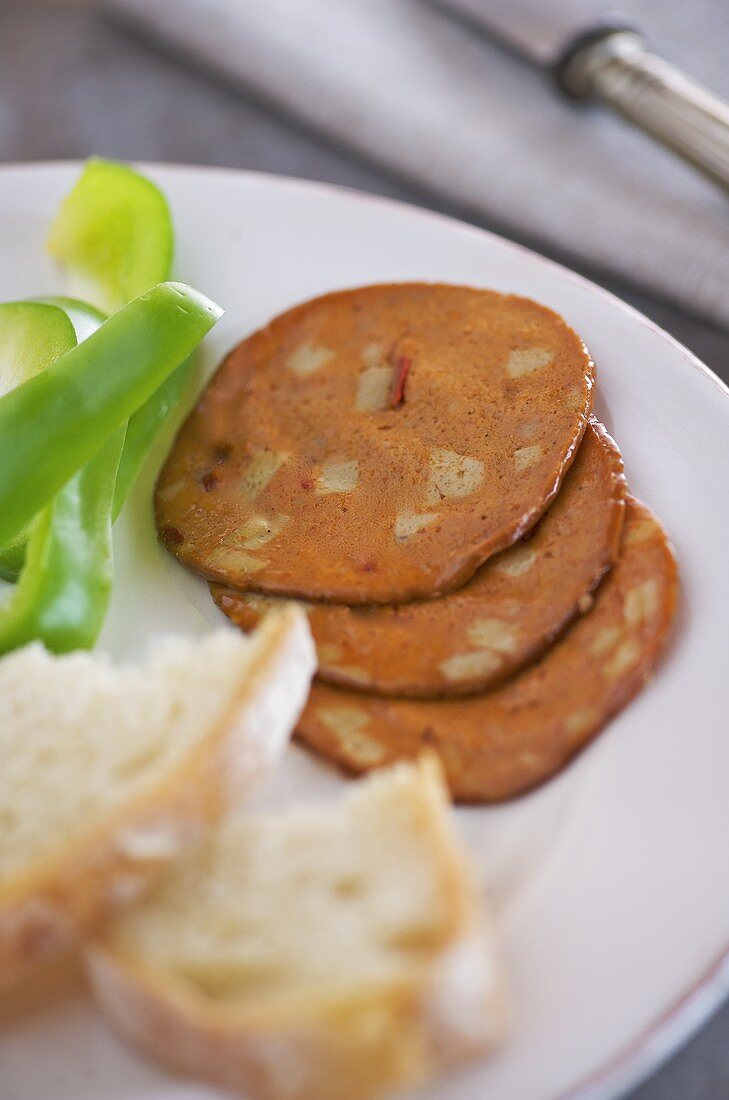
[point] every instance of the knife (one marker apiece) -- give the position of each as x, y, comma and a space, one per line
592, 54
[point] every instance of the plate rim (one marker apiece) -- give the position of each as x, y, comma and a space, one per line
357, 195
655, 1044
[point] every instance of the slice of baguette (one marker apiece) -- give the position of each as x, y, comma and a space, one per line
331, 952
107, 772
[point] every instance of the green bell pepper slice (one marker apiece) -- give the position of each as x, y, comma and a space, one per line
66, 571
144, 427
56, 421
32, 336
63, 592
84, 317
31, 340
114, 234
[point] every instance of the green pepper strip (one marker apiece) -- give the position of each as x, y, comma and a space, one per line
12, 556
143, 428
66, 562
32, 336
114, 234
63, 592
64, 588
84, 317
55, 422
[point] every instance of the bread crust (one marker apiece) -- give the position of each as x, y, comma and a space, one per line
376, 1039
67, 893
389, 1039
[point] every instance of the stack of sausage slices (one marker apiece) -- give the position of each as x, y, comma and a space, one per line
419, 463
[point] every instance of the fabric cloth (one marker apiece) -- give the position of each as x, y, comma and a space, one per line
421, 94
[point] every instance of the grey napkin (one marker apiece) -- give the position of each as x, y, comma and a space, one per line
401, 83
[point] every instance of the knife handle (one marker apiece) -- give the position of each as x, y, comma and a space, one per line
618, 70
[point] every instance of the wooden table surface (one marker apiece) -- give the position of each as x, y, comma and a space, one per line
72, 84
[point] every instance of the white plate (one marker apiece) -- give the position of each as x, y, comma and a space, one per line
610, 883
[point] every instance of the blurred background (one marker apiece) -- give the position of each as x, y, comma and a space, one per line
377, 111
